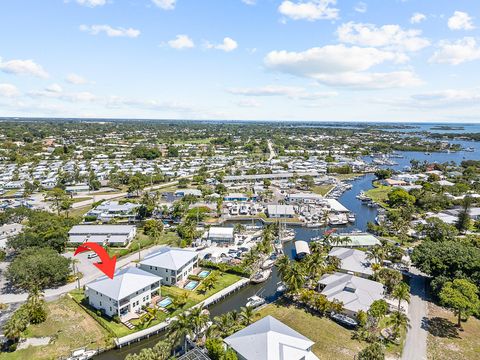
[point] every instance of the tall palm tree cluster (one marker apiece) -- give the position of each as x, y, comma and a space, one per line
196, 326
32, 312
297, 274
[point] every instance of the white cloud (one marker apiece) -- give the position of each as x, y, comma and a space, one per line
450, 97
361, 7
367, 80
248, 103
456, 52
460, 21
181, 42
339, 65
75, 79
54, 88
23, 67
9, 90
91, 3
418, 18
309, 10
249, 2
387, 36
110, 31
165, 4
292, 92
55, 91
329, 59
227, 45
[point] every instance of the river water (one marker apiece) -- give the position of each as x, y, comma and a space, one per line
364, 214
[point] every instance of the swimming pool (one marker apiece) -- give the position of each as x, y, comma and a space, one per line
165, 302
203, 273
191, 285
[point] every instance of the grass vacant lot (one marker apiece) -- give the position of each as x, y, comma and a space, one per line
322, 189
69, 328
80, 199
379, 194
142, 240
446, 341
332, 341
194, 297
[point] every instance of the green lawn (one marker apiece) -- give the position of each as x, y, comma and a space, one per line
69, 328
445, 341
322, 189
80, 199
379, 194
79, 212
142, 240
332, 341
194, 297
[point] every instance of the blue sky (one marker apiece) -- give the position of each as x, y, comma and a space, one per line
327, 60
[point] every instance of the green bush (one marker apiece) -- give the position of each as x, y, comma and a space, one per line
230, 269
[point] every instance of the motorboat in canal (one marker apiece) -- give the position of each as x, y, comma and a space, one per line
343, 319
255, 301
351, 217
268, 263
82, 354
261, 276
281, 287
339, 219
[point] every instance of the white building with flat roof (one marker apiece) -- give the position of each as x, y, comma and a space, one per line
171, 264
129, 290
280, 211
220, 234
113, 235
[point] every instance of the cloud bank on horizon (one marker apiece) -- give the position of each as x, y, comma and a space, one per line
327, 60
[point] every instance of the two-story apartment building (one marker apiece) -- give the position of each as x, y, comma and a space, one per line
127, 292
171, 264
114, 235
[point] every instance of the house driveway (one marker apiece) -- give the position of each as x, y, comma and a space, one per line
415, 347
85, 266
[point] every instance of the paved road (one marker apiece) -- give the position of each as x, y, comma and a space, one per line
96, 198
90, 272
416, 342
272, 151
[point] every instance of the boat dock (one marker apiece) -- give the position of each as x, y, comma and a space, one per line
156, 329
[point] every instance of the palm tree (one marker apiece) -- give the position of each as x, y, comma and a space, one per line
208, 284
222, 325
377, 254
294, 277
199, 319
181, 327
36, 306
398, 320
17, 323
401, 292
283, 264
246, 313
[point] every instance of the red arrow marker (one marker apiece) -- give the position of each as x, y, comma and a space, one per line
107, 264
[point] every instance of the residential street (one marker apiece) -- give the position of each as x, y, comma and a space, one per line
90, 272
416, 342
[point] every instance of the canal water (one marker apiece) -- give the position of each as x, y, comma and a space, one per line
364, 214
268, 289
